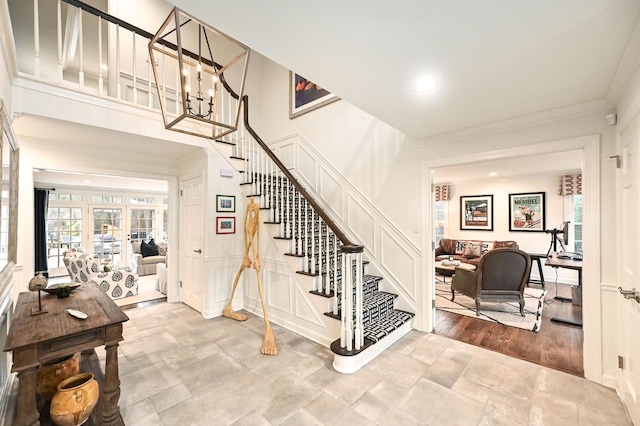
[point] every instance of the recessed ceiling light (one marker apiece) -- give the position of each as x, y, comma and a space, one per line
87, 181
425, 84
493, 174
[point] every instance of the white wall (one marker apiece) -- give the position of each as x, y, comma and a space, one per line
385, 165
500, 188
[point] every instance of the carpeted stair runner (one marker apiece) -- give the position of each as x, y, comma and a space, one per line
379, 317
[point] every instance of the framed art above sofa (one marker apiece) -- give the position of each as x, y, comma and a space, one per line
476, 212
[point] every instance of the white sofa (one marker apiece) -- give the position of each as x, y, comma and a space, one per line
147, 265
83, 268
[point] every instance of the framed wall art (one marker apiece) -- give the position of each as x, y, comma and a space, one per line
476, 212
225, 225
305, 96
527, 212
225, 203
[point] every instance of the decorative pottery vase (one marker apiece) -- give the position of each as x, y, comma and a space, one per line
50, 375
76, 398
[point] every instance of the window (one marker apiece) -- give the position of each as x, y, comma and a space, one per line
573, 209
106, 199
142, 200
142, 224
441, 210
577, 222
64, 197
64, 231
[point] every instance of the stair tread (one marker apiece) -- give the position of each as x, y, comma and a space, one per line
233, 157
272, 223
283, 238
309, 274
294, 255
225, 142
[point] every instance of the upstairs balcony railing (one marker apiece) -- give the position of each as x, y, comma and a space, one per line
83, 48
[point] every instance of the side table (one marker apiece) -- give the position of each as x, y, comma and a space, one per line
34, 339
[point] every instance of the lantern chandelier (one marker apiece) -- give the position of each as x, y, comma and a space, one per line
200, 74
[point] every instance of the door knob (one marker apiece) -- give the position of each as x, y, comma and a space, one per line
198, 251
630, 294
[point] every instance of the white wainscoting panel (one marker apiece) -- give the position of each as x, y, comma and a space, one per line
307, 167
305, 309
361, 223
279, 287
389, 252
332, 192
399, 261
286, 154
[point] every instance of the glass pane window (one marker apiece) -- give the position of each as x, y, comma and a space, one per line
142, 200
440, 212
106, 199
577, 223
142, 224
107, 233
64, 231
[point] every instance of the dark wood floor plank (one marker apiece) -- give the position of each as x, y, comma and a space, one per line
557, 345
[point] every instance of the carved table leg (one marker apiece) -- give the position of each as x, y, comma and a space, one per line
27, 412
111, 392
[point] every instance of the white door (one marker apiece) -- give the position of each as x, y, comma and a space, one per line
629, 259
191, 244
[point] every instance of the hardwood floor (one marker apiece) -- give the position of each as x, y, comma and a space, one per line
556, 345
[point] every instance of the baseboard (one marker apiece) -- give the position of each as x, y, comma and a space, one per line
353, 363
610, 381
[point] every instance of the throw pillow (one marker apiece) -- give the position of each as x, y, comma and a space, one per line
472, 250
148, 249
162, 249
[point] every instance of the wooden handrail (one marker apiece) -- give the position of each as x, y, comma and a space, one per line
117, 21
348, 246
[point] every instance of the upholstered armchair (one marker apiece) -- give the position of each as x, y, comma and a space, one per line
83, 268
501, 275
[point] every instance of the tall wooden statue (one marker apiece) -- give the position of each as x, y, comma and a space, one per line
252, 243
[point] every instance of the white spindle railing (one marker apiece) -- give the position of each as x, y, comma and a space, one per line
336, 265
331, 258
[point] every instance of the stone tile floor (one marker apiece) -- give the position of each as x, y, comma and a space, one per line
178, 368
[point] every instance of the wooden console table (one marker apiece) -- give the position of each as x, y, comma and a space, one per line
34, 339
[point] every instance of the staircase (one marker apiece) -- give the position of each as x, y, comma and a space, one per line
324, 252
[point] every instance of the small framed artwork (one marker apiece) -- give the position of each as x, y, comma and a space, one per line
225, 225
476, 212
527, 212
305, 95
226, 203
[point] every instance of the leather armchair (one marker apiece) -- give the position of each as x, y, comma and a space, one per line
501, 275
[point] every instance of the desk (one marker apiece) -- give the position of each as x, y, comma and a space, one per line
536, 257
38, 338
567, 264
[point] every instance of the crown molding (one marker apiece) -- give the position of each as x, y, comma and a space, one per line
626, 67
544, 117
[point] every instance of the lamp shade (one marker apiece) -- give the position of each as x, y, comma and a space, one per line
200, 76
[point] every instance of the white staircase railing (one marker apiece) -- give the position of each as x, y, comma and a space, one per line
99, 54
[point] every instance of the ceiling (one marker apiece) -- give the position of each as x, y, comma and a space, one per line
556, 163
493, 61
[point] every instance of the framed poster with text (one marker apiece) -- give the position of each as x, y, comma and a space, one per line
527, 212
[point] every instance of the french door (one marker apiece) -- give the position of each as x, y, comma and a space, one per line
108, 238
64, 231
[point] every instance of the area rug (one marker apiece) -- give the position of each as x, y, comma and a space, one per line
506, 313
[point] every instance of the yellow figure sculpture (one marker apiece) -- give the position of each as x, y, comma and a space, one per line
252, 244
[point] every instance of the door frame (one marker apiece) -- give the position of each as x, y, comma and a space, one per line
591, 295
196, 174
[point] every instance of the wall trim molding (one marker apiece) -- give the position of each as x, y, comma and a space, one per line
540, 118
351, 196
